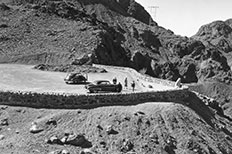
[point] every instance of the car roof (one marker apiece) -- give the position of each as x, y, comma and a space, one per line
75, 73
97, 81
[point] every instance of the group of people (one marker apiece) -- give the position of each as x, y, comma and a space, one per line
125, 83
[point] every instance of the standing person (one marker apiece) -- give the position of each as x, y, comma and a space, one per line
86, 76
125, 83
119, 87
115, 80
133, 85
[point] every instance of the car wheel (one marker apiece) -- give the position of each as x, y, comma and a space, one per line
93, 90
117, 90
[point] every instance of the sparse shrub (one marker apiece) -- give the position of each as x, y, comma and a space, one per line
4, 7
3, 25
4, 38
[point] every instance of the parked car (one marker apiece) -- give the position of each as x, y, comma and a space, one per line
103, 86
75, 78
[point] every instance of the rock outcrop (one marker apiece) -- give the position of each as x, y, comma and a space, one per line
217, 37
111, 32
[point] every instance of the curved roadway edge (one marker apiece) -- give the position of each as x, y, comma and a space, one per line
63, 101
24, 78
166, 92
143, 78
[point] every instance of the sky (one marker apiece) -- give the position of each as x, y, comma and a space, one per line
185, 17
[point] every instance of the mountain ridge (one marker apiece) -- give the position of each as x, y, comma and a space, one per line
113, 32
107, 32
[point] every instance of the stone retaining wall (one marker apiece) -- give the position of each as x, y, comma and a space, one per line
73, 101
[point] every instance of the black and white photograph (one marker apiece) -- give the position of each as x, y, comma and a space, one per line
115, 77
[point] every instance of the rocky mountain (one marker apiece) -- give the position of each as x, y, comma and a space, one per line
66, 32
112, 32
72, 33
217, 34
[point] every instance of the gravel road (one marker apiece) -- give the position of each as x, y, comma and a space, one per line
25, 78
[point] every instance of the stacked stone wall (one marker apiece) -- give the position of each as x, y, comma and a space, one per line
72, 101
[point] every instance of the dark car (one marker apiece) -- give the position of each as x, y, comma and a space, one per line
75, 78
103, 86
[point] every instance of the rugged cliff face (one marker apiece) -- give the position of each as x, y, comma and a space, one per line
112, 32
69, 32
118, 32
219, 35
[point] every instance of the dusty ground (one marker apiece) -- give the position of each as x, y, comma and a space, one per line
31, 36
217, 90
23, 77
85, 32
160, 128
185, 127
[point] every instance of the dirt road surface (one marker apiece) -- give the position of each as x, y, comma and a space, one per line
25, 78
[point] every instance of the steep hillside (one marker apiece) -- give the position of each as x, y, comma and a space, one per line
112, 32
185, 127
68, 31
219, 35
72, 33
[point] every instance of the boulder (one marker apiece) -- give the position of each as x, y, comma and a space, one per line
59, 152
3, 107
86, 151
35, 129
64, 139
127, 146
4, 122
65, 152
51, 122
17, 131
110, 130
55, 152
103, 144
54, 140
78, 140
4, 7
2, 137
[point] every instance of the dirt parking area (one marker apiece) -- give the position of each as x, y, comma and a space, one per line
25, 78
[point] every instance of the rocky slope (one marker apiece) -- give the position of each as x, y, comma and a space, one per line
218, 36
71, 33
112, 32
220, 91
184, 127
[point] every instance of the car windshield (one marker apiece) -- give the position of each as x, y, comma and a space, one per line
81, 77
70, 75
101, 82
104, 82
